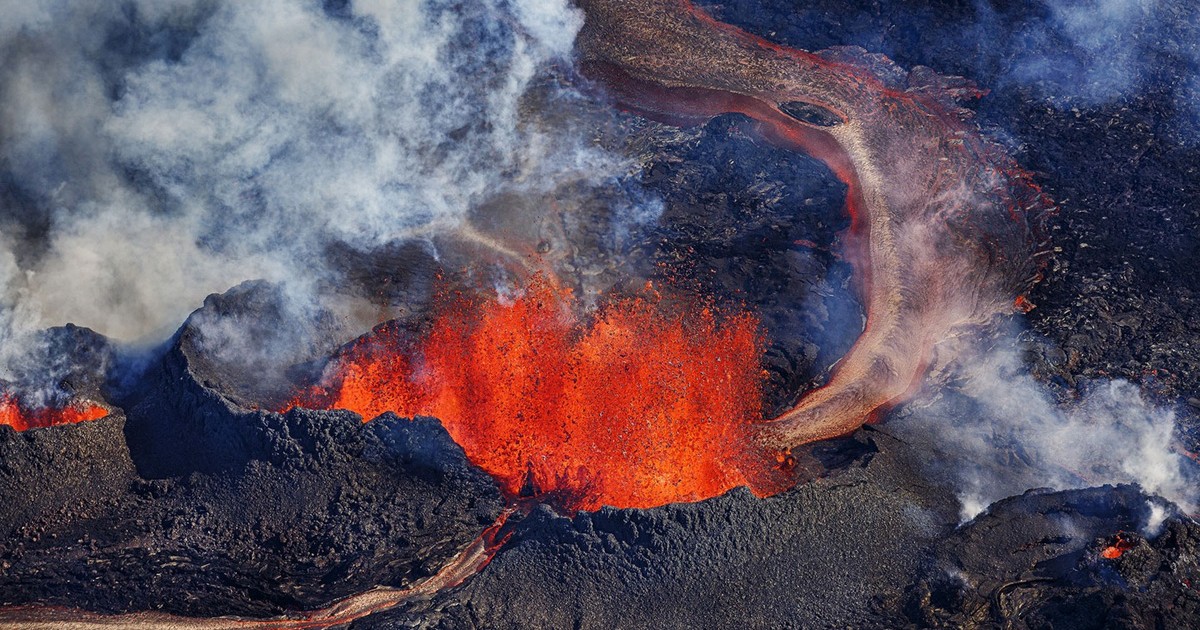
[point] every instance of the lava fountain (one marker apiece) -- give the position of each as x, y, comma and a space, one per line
645, 401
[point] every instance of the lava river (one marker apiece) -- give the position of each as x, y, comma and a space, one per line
945, 227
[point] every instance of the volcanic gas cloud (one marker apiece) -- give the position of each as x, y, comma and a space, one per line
643, 402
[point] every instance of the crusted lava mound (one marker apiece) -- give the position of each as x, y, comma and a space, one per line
1067, 559
60, 380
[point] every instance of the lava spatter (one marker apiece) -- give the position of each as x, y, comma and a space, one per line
643, 402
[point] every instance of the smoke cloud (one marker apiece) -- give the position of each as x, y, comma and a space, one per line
154, 152
1001, 432
1091, 52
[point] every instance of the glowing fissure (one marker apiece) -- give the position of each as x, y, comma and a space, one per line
1117, 549
645, 402
21, 417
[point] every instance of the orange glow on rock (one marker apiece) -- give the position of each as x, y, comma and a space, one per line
1115, 550
21, 418
644, 402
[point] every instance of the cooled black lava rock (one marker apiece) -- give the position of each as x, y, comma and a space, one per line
747, 223
199, 506
58, 475
831, 553
193, 409
350, 506
204, 506
1036, 561
62, 364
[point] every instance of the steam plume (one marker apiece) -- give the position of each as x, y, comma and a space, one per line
154, 152
1001, 432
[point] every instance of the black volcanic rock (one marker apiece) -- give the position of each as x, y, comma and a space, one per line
1034, 561
199, 506
348, 506
193, 408
59, 475
833, 552
866, 547
747, 223
62, 364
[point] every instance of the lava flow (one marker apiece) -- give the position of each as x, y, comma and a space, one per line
20, 417
461, 567
945, 227
645, 402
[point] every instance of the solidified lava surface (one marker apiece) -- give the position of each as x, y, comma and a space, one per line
198, 506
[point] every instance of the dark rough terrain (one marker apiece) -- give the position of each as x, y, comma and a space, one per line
1034, 561
873, 544
197, 506
1122, 161
753, 224
1117, 302
833, 551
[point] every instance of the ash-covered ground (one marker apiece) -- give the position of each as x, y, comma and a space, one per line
191, 501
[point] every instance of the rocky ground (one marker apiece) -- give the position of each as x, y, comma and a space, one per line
190, 503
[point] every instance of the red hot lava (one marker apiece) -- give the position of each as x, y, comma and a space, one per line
1117, 548
20, 417
644, 402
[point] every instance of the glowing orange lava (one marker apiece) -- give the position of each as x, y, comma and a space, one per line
1117, 549
21, 418
646, 402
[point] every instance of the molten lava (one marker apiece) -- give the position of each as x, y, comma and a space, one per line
20, 417
1117, 549
645, 402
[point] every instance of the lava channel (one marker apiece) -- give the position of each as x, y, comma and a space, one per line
644, 402
946, 230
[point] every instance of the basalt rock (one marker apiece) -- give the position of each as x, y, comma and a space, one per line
198, 506
1094, 558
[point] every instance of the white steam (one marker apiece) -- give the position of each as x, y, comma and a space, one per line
153, 152
999, 434
1091, 52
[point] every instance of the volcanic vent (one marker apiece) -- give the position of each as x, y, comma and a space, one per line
645, 403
